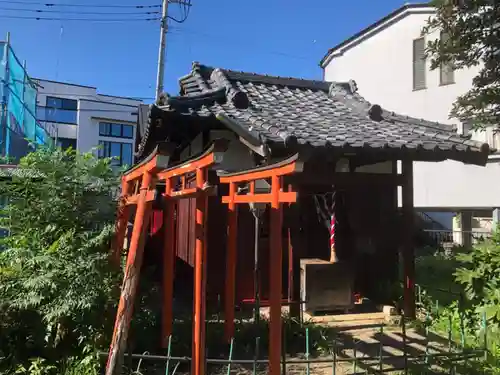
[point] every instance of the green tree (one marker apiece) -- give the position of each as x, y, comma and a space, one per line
58, 291
472, 30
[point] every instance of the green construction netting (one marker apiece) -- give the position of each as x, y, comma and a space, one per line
20, 95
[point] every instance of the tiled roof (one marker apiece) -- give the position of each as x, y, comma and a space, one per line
283, 111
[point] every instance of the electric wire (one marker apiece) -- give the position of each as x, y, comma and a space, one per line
76, 11
56, 110
185, 7
81, 19
222, 40
34, 82
80, 5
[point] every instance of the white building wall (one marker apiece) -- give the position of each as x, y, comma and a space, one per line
92, 112
92, 109
382, 67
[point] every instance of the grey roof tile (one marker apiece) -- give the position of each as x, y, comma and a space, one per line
315, 113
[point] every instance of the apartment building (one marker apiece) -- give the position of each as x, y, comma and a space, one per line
80, 117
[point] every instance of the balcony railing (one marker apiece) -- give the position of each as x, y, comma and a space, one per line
442, 237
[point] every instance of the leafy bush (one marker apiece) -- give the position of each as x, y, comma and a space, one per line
57, 289
480, 277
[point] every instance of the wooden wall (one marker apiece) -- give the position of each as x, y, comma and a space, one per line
370, 212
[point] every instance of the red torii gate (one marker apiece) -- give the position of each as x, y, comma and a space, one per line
139, 188
276, 197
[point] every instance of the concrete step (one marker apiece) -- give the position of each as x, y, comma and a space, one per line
345, 317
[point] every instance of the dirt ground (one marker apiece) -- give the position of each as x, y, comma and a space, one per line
363, 345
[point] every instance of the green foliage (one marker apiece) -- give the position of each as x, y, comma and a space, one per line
473, 274
57, 289
480, 277
473, 40
37, 366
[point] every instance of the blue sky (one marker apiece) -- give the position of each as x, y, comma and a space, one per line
278, 37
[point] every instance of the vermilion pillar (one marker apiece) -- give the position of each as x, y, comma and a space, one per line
130, 281
168, 264
121, 222
276, 271
232, 232
198, 356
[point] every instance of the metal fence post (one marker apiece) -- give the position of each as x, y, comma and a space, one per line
427, 323
381, 350
230, 356
355, 364
283, 350
256, 356
485, 330
334, 354
405, 354
450, 338
169, 354
308, 365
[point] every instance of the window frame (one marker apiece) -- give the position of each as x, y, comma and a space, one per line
62, 140
66, 106
443, 67
105, 147
415, 62
110, 127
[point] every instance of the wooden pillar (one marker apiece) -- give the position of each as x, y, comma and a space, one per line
276, 271
168, 264
121, 223
198, 356
130, 281
230, 285
408, 253
294, 306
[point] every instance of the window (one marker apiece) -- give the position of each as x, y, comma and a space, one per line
493, 137
66, 143
419, 64
59, 110
107, 129
446, 71
120, 152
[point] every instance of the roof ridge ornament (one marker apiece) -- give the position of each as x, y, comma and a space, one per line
335, 90
353, 86
376, 113
237, 97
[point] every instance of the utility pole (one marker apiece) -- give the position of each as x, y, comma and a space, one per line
161, 52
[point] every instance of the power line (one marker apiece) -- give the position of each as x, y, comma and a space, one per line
76, 11
223, 40
94, 96
56, 110
185, 6
80, 5
80, 19
36, 82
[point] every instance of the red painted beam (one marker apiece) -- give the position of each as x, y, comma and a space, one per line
276, 270
230, 285
283, 197
198, 356
121, 223
130, 281
168, 267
